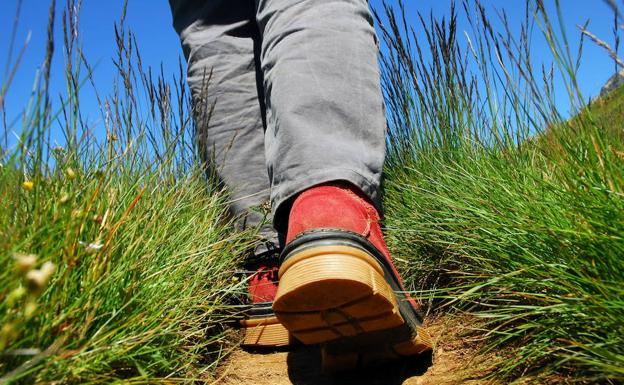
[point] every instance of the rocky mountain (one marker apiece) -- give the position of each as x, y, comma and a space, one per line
614, 82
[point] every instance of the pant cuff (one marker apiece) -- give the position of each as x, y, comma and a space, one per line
282, 195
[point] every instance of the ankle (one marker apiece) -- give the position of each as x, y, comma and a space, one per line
337, 205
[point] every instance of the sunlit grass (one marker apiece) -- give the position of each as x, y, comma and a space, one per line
522, 226
116, 252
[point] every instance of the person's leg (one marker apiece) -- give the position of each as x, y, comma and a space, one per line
219, 38
325, 117
325, 148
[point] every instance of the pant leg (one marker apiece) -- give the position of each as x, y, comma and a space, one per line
325, 114
218, 38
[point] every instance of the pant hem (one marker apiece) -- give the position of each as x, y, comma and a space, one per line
282, 196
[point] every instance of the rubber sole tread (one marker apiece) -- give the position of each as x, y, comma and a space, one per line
338, 296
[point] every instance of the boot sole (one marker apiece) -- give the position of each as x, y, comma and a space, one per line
338, 360
337, 295
265, 333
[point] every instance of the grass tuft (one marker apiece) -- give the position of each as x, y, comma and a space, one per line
501, 206
116, 250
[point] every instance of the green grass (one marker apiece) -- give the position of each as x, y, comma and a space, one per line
523, 229
116, 253
610, 112
142, 277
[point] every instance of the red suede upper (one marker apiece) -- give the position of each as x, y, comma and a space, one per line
338, 206
263, 282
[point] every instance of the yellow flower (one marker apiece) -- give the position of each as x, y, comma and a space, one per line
28, 185
71, 174
30, 309
7, 332
15, 295
64, 199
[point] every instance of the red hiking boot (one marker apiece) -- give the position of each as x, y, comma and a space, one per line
261, 328
338, 285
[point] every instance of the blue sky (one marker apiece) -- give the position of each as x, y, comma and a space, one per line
151, 22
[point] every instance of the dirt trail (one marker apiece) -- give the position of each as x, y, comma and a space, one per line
452, 362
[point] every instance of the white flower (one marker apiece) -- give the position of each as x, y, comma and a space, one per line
37, 279
24, 262
91, 247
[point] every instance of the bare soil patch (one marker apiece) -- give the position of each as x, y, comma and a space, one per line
453, 361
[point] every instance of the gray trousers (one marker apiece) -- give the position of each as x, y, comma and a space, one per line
286, 96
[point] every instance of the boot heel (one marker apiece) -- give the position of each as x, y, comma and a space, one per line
330, 292
265, 333
336, 361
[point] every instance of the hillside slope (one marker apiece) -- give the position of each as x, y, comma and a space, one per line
528, 239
